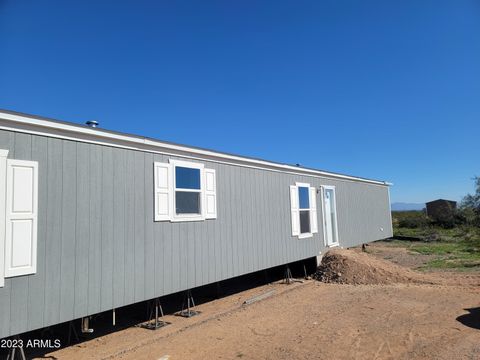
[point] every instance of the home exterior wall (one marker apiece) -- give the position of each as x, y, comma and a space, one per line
99, 248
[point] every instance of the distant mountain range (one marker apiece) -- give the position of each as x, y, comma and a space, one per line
400, 206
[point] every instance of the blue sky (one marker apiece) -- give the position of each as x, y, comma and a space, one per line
380, 89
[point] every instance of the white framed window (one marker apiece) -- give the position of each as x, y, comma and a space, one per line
303, 203
184, 191
188, 186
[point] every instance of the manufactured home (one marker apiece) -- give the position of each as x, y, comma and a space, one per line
92, 220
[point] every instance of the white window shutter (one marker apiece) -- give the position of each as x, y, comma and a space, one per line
21, 218
163, 191
210, 194
313, 211
295, 210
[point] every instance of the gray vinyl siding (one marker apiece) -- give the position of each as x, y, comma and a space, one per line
99, 248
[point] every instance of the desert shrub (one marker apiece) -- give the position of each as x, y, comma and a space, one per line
466, 216
410, 219
447, 220
470, 206
432, 234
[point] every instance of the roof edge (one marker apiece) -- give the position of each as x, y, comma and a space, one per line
15, 121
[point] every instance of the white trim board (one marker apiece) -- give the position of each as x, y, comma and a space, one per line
3, 192
38, 126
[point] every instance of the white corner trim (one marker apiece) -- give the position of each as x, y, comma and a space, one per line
3, 191
38, 126
390, 212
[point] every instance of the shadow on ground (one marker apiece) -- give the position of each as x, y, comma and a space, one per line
135, 314
472, 319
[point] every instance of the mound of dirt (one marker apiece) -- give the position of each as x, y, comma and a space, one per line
350, 267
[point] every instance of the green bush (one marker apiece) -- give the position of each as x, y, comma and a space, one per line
467, 216
447, 220
470, 206
410, 219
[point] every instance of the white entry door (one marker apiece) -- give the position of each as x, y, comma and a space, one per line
329, 216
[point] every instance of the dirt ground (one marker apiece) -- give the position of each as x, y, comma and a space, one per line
361, 268
396, 254
315, 320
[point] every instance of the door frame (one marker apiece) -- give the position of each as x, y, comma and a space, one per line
334, 228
